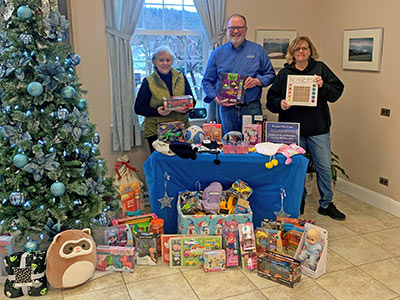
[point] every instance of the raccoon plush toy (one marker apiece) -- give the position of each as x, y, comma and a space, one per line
71, 258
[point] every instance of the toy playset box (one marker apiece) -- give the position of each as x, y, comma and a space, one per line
119, 235
146, 249
165, 248
214, 260
115, 258
321, 263
208, 224
137, 223
231, 86
213, 131
171, 131
279, 268
131, 199
7, 247
252, 134
247, 246
193, 247
175, 103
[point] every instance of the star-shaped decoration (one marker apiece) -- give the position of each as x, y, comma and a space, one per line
165, 201
282, 212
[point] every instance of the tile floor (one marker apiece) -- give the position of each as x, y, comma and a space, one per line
363, 263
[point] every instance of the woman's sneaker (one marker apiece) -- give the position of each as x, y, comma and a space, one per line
332, 211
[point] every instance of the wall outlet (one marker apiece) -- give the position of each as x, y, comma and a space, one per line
385, 112
384, 181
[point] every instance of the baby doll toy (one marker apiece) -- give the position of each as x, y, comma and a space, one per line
312, 248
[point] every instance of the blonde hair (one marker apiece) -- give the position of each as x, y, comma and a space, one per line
314, 233
295, 43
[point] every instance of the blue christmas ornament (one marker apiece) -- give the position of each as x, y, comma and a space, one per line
20, 160
82, 104
57, 188
68, 92
24, 13
74, 58
17, 198
62, 114
96, 139
35, 89
103, 219
26, 38
31, 246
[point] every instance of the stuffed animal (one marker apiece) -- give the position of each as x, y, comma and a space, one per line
289, 151
71, 258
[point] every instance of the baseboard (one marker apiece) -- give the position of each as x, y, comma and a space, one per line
365, 195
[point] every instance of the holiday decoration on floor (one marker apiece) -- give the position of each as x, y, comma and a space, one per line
49, 157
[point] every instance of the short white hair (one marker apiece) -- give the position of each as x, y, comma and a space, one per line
162, 49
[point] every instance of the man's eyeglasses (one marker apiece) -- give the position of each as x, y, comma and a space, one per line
238, 28
301, 48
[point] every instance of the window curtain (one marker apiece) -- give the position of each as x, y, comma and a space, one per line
212, 14
121, 19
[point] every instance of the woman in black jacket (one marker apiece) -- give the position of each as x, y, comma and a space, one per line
315, 121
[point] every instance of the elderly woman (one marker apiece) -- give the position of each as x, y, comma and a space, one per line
164, 82
315, 121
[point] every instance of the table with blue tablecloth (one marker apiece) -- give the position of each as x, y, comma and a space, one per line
186, 174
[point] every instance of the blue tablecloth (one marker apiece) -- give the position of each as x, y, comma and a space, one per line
266, 183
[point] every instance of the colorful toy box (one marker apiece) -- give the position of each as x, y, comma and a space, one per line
193, 248
119, 235
171, 131
115, 258
175, 103
131, 199
175, 253
214, 260
146, 249
207, 224
165, 248
137, 223
213, 131
7, 247
321, 264
231, 86
279, 268
230, 236
252, 134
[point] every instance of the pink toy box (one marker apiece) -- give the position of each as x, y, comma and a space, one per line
321, 264
7, 247
252, 134
115, 258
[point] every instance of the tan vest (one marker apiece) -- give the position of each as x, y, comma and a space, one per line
159, 90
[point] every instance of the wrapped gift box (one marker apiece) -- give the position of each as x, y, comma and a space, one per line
207, 224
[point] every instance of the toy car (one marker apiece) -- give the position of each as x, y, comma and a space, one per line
191, 262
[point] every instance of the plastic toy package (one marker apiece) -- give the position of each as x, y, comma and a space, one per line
214, 260
114, 258
279, 268
146, 249
171, 131
247, 246
119, 235
231, 86
175, 103
175, 249
230, 236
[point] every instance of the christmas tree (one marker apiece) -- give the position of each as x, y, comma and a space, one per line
51, 175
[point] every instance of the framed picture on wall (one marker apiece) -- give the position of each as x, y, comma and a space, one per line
362, 49
276, 43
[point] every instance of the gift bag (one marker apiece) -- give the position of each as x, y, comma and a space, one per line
129, 186
26, 274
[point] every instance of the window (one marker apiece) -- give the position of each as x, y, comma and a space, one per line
177, 24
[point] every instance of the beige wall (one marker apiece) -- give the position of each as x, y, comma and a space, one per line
365, 141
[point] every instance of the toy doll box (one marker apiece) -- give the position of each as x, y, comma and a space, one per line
115, 258
208, 224
280, 268
177, 102
321, 264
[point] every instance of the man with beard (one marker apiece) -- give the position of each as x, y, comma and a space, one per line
242, 57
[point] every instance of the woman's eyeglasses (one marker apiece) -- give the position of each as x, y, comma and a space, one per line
301, 48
